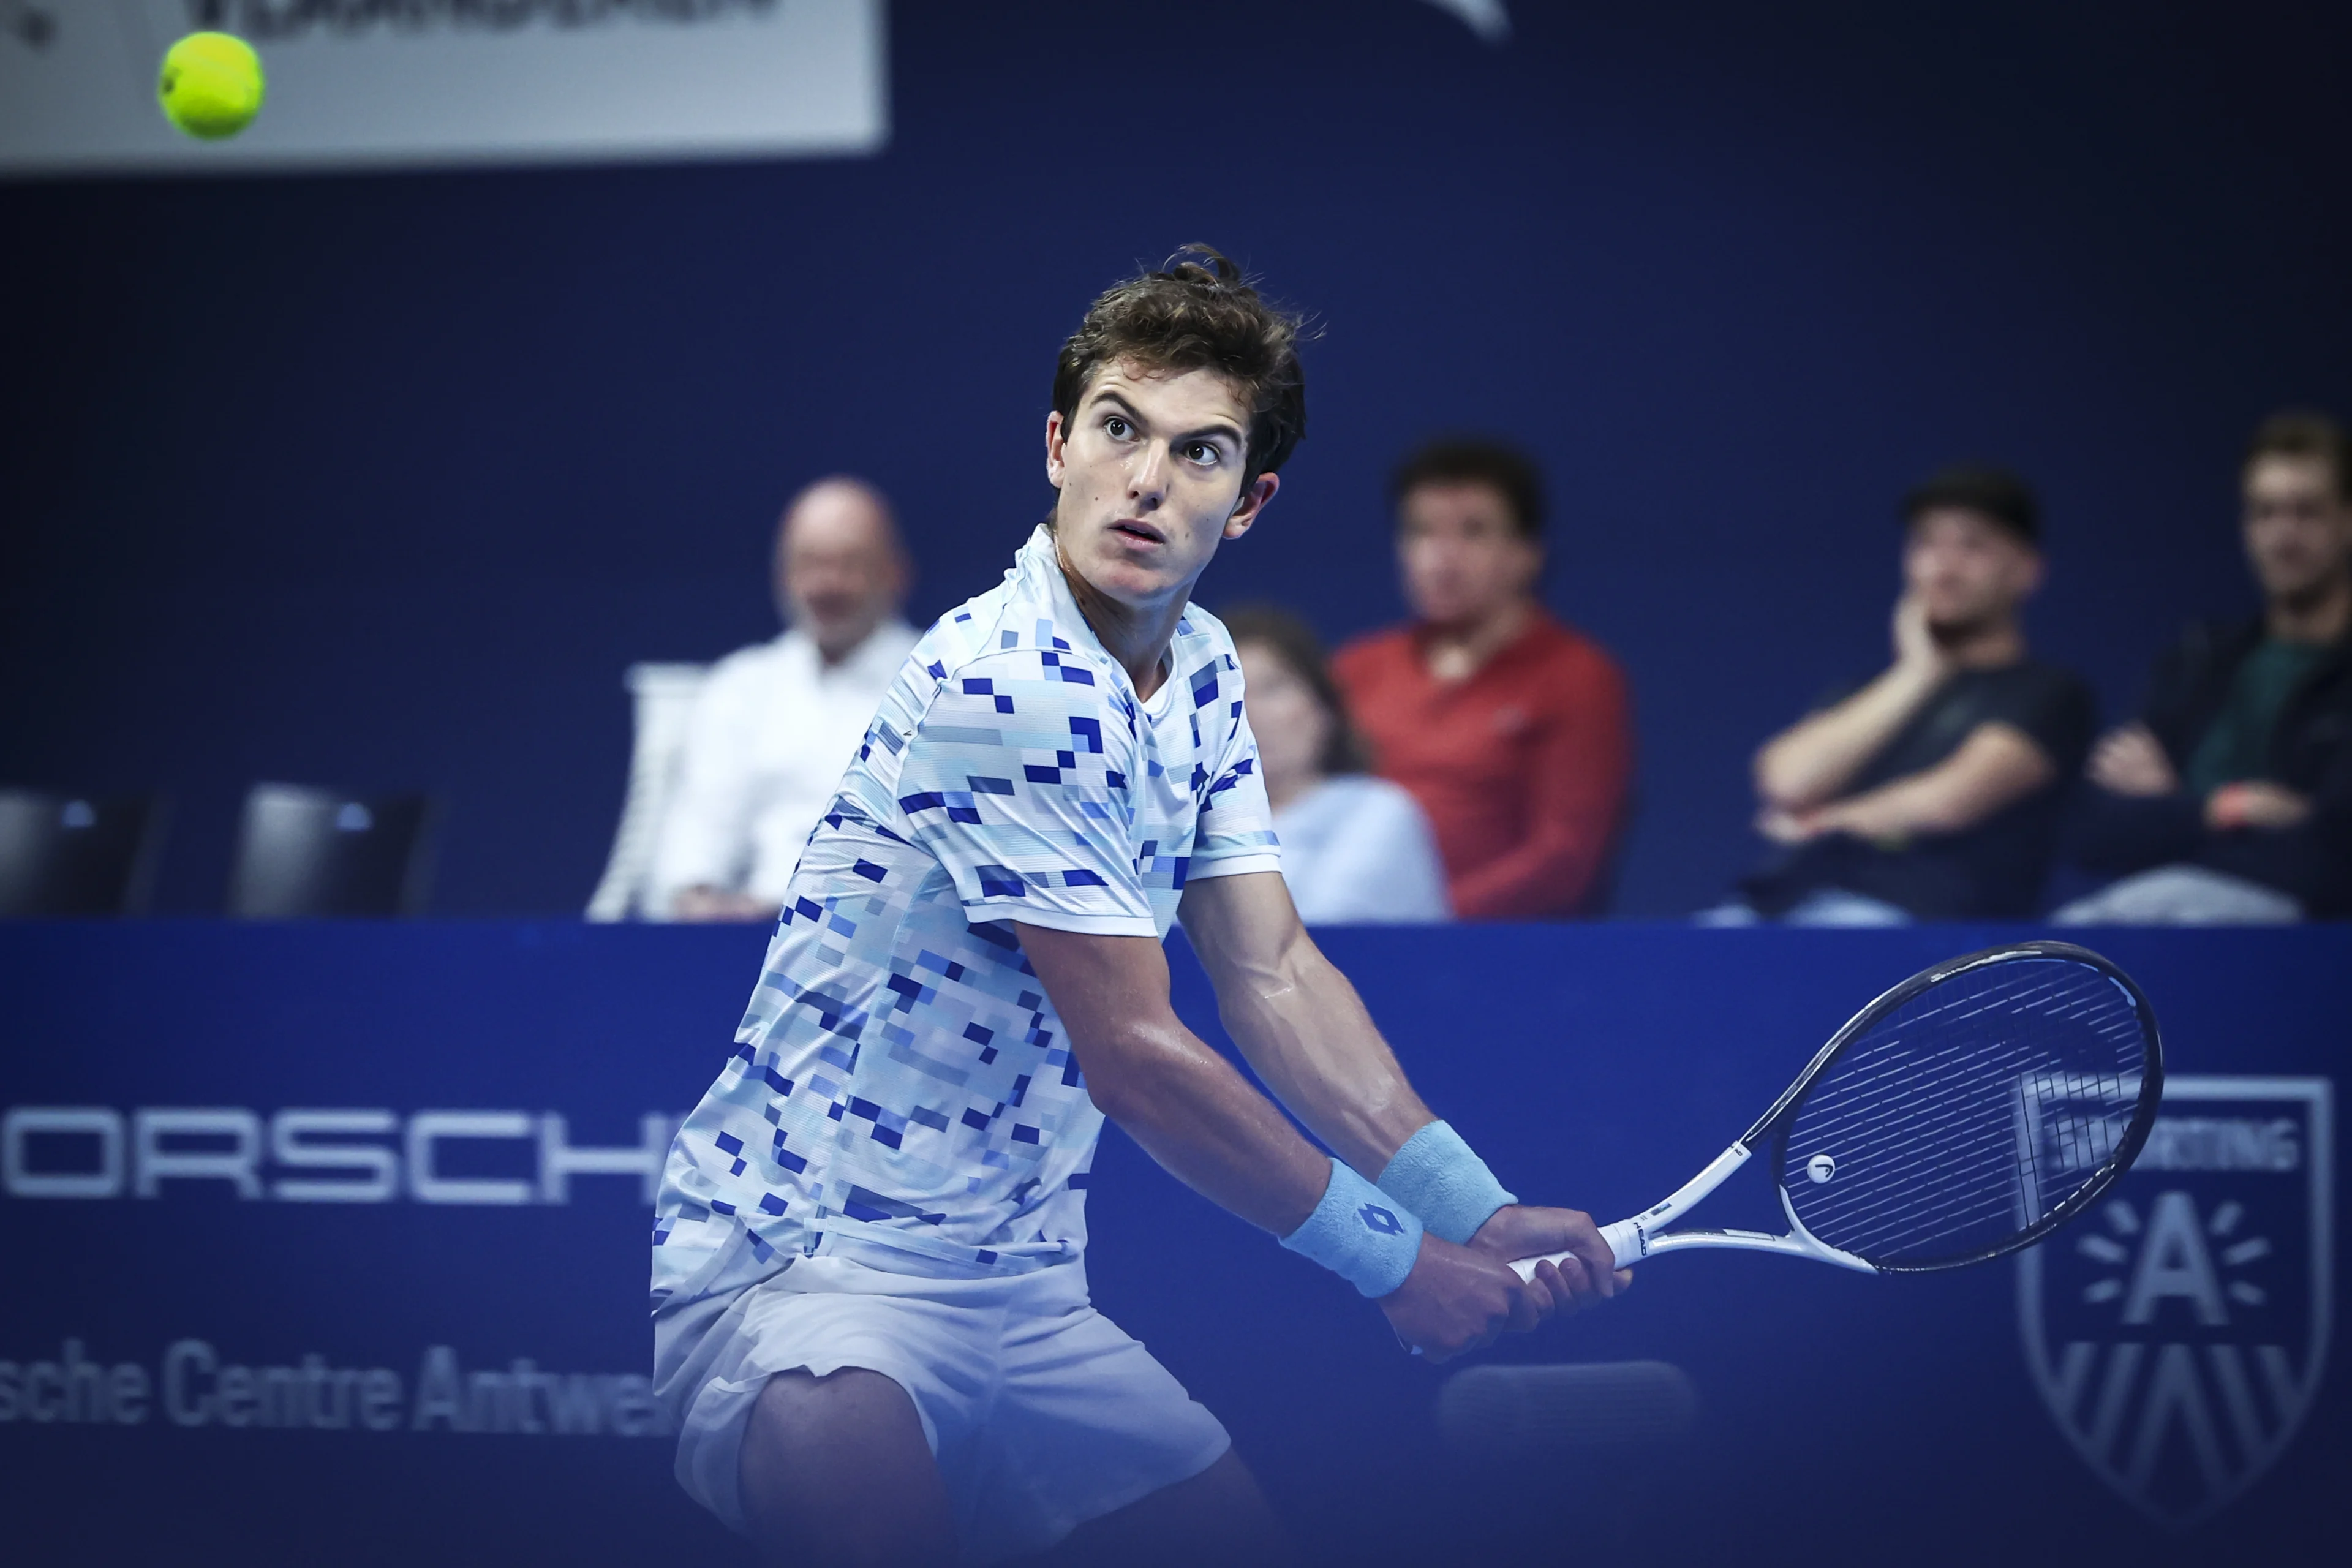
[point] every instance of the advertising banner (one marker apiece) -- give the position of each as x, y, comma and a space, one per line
333, 1240
379, 84
2179, 1337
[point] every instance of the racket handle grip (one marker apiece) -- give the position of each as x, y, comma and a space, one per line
1624, 1240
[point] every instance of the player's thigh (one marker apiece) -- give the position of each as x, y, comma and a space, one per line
1218, 1516
837, 1469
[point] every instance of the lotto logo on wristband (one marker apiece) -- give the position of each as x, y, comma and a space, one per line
1377, 1218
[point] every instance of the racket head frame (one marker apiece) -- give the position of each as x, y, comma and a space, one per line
1776, 1121
1644, 1235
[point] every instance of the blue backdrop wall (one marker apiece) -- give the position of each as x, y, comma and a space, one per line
416, 1154
381, 481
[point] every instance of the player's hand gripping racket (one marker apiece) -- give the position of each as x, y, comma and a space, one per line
1967, 1112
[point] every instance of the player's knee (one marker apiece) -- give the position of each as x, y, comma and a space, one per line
837, 1470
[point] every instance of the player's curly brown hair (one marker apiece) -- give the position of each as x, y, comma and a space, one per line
1198, 312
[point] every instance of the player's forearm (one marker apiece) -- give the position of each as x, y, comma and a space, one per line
1182, 1101
1203, 1122
1814, 758
1305, 1030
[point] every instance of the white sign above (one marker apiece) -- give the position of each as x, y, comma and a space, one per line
356, 84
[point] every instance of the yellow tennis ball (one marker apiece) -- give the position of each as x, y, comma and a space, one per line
211, 86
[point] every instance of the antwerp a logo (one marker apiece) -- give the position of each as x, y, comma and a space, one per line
2178, 1329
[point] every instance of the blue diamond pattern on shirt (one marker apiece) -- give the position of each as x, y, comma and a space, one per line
899, 1075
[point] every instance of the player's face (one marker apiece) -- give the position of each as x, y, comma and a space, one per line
1288, 720
1462, 555
1150, 468
2298, 531
1967, 569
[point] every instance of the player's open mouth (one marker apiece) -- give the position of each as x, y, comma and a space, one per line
1142, 530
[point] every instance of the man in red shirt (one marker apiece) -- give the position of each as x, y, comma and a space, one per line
1512, 731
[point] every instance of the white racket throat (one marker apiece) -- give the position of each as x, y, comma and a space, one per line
1645, 1235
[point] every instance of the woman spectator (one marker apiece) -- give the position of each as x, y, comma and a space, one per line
1355, 849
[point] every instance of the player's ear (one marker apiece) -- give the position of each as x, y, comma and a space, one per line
1054, 443
1253, 502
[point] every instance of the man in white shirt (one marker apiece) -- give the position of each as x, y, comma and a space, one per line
777, 723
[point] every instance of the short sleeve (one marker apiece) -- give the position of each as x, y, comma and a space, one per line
1017, 781
1236, 825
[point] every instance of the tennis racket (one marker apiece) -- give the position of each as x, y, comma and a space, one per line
1969, 1111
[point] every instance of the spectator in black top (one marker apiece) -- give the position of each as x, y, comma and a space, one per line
2229, 800
1933, 791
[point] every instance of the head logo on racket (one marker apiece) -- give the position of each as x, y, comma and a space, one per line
1820, 1169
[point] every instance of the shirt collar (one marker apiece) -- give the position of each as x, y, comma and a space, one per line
1041, 569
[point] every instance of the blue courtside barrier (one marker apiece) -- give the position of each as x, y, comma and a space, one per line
329, 1243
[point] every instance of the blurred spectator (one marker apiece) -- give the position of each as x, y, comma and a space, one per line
1509, 728
2229, 800
775, 724
1932, 792
1355, 849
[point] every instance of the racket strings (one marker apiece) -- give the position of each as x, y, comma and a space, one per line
1964, 1170
1943, 1129
1967, 1112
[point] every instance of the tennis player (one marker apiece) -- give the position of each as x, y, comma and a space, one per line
871, 1318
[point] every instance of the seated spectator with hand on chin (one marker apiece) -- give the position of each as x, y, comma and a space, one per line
2229, 800
1933, 790
1356, 849
775, 724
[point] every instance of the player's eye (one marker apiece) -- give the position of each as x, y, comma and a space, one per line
1116, 428
1203, 452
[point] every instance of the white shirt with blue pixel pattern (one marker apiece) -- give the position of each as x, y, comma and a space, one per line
900, 1078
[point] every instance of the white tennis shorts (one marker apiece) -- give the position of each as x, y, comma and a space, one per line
1041, 1413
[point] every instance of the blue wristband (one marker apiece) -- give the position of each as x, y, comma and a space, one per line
1437, 1177
1360, 1233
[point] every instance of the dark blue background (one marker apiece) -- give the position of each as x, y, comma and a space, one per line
1844, 1419
380, 481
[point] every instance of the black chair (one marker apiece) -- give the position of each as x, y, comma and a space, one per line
77, 855
304, 853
